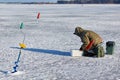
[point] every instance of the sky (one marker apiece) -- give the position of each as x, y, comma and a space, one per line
28, 0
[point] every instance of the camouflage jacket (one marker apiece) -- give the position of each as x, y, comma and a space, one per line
87, 36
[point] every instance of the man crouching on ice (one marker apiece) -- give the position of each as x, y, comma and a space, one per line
91, 42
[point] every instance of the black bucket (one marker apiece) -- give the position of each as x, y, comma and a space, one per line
110, 47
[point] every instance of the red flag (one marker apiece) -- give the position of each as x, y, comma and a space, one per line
38, 16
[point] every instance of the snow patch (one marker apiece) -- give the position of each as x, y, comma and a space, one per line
17, 73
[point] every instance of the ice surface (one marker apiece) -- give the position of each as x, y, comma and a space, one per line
50, 39
17, 73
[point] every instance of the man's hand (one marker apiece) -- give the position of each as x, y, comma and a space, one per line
81, 49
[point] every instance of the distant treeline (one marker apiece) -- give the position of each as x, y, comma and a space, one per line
69, 2
88, 1
27, 3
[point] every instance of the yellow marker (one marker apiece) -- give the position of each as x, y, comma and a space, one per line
22, 45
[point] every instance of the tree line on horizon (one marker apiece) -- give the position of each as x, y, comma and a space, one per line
70, 2
88, 1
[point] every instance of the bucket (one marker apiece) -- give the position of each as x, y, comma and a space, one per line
110, 47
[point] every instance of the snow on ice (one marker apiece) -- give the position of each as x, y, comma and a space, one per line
50, 40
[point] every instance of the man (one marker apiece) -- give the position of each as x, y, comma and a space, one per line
91, 42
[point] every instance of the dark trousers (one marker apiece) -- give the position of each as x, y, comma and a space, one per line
97, 51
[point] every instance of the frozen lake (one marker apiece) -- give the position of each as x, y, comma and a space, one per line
50, 40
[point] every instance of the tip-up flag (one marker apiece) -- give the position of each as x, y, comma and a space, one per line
22, 25
22, 45
38, 16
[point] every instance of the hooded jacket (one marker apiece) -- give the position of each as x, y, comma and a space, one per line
87, 36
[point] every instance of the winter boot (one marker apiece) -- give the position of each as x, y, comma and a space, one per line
99, 51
